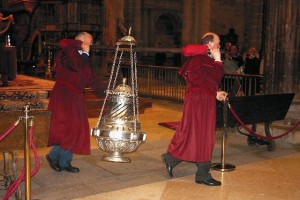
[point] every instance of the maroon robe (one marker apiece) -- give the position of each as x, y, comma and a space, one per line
194, 139
69, 126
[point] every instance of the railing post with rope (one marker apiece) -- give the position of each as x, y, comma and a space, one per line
223, 166
27, 154
25, 173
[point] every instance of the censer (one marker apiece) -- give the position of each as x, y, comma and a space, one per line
118, 131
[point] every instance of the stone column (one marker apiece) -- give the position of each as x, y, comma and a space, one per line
113, 9
203, 18
137, 21
145, 28
188, 21
196, 17
253, 12
282, 46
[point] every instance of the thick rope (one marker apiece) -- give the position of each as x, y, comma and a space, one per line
11, 20
9, 130
18, 181
259, 135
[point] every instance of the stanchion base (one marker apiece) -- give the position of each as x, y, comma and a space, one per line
223, 168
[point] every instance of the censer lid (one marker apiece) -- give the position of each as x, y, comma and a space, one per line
127, 39
123, 88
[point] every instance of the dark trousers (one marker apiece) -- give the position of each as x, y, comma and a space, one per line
62, 156
203, 168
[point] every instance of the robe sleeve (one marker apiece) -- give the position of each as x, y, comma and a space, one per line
70, 57
194, 49
98, 86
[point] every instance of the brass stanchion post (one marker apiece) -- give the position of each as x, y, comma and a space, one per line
27, 156
223, 167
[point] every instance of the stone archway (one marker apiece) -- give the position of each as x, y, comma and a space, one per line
168, 30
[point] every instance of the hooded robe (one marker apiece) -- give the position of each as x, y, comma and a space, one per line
69, 126
194, 139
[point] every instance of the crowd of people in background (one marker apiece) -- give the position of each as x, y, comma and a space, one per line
234, 62
247, 63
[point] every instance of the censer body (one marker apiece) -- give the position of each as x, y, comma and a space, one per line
119, 132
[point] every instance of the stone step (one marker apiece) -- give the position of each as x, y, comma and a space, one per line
17, 105
11, 100
15, 140
23, 94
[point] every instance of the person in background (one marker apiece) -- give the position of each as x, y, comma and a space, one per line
231, 64
160, 57
226, 51
160, 60
69, 128
252, 67
194, 139
236, 57
252, 62
233, 61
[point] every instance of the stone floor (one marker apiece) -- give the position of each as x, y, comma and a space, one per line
259, 173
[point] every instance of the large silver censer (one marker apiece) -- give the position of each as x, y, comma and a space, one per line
119, 131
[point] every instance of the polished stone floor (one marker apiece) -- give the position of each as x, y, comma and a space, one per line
259, 173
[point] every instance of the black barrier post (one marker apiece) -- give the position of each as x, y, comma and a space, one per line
223, 167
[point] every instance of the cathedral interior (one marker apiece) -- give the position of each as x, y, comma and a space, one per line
31, 31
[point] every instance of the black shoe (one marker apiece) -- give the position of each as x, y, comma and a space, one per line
210, 182
168, 167
71, 169
53, 164
4, 84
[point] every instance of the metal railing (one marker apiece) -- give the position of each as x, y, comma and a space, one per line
249, 84
165, 82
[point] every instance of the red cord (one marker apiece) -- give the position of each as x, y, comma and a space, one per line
9, 130
18, 181
258, 135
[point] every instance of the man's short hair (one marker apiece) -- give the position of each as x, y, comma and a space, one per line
207, 37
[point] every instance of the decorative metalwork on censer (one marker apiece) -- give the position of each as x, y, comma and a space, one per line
119, 131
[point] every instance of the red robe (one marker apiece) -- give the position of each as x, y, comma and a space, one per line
194, 139
69, 126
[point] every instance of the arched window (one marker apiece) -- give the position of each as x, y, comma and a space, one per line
164, 25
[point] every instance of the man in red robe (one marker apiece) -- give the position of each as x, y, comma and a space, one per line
194, 139
69, 128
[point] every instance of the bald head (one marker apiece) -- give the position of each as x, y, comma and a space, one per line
87, 40
212, 40
208, 37
83, 36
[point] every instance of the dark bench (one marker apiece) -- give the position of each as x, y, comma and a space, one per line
256, 109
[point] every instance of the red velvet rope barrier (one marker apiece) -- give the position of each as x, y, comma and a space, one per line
9, 130
256, 134
18, 181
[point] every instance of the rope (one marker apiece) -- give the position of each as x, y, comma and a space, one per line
18, 181
5, 29
10, 20
9, 130
256, 134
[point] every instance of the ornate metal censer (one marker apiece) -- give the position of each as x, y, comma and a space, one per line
119, 131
